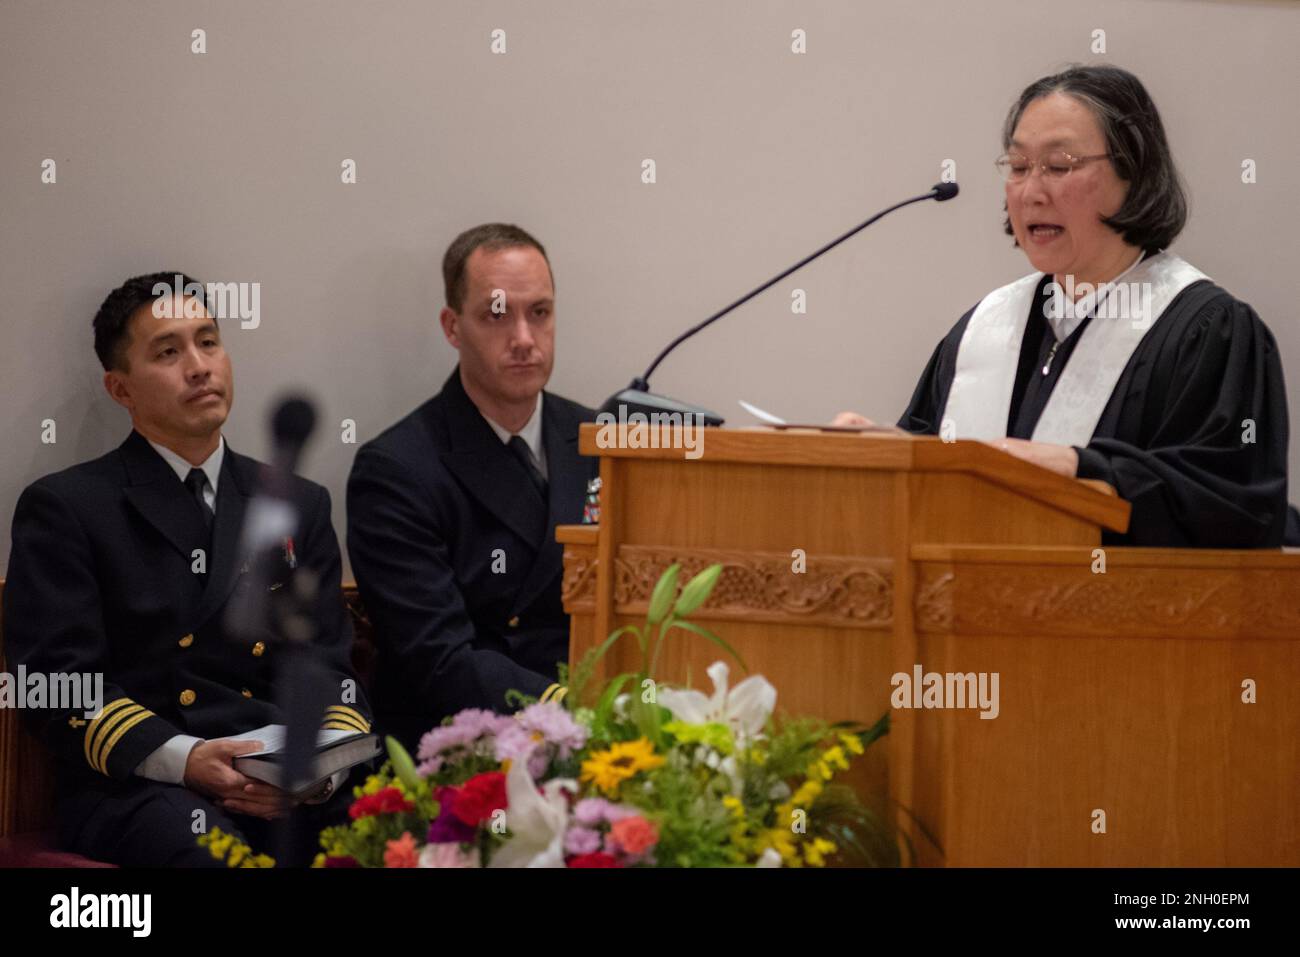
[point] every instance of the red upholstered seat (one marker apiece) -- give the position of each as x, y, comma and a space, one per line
36, 849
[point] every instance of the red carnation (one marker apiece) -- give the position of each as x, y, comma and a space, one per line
596, 859
479, 797
385, 801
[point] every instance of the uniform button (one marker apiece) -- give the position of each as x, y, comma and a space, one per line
246, 693
187, 697
513, 622
186, 641
259, 649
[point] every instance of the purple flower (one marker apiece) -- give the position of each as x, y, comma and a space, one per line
468, 728
592, 812
517, 744
555, 725
537, 734
581, 840
449, 829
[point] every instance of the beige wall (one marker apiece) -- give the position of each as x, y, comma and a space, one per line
227, 165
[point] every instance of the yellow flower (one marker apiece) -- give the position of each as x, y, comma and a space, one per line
608, 769
234, 852
318, 860
807, 793
782, 841
835, 757
220, 843
815, 851
852, 742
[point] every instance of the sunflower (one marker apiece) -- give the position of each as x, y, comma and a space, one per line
608, 769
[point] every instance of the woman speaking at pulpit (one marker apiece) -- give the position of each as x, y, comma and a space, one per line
1116, 359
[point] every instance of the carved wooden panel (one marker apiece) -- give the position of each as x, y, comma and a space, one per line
1015, 599
760, 586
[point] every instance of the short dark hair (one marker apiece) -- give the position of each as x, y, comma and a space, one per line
1155, 209
489, 236
114, 316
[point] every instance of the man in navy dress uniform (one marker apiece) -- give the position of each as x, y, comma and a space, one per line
452, 511
125, 566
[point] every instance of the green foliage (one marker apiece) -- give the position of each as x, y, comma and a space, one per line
863, 839
662, 595
697, 591
662, 617
404, 767
693, 822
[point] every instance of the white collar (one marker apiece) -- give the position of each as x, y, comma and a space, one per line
531, 433
1062, 326
211, 466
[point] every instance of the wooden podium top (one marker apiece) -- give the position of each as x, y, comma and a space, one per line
888, 451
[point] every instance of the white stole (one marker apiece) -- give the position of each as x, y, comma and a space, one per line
988, 357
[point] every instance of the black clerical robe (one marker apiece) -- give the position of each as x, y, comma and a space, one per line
1170, 439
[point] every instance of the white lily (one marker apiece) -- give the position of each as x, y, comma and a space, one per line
537, 820
745, 708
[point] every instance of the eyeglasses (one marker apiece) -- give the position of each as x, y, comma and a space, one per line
1015, 167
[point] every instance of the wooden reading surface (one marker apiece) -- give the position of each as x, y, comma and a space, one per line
849, 559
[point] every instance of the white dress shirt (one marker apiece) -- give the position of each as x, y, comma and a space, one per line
167, 762
211, 468
531, 433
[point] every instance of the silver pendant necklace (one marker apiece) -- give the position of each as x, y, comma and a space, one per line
1048, 364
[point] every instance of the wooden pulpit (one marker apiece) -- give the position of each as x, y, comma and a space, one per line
1148, 700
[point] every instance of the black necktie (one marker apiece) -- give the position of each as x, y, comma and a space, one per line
195, 482
524, 454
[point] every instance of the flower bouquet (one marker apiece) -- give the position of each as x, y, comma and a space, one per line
637, 775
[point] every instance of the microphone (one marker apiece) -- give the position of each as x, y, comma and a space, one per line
292, 424
945, 191
271, 518
286, 617
637, 397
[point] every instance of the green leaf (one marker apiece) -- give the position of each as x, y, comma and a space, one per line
662, 597
876, 731
647, 716
697, 590
614, 636
403, 766
606, 705
691, 626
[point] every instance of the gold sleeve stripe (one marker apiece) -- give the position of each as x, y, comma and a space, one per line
343, 711
559, 695
92, 729
122, 715
338, 720
340, 726
550, 690
122, 729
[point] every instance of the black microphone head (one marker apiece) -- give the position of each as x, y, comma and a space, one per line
293, 420
944, 191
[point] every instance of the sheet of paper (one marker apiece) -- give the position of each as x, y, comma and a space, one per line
760, 414
272, 737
